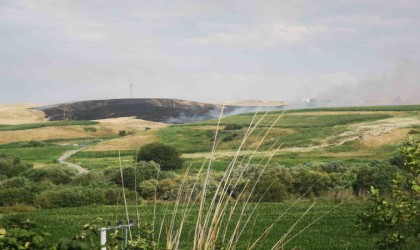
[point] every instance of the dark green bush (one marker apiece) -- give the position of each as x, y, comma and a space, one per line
11, 166
55, 174
90, 129
233, 126
229, 137
32, 144
166, 156
376, 174
134, 175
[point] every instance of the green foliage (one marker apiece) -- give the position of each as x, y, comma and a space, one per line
227, 137
361, 108
166, 156
32, 144
11, 166
233, 126
148, 188
377, 174
58, 175
274, 185
68, 196
90, 129
298, 121
45, 124
336, 230
134, 175
396, 219
20, 235
38, 154
122, 133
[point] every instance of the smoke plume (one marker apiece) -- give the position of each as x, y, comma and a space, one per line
402, 86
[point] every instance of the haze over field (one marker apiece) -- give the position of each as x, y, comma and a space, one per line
347, 52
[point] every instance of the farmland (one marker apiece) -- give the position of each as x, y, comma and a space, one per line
330, 156
336, 230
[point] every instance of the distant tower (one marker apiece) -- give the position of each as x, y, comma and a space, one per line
131, 95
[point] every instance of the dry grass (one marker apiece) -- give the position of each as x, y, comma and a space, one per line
46, 133
391, 137
12, 114
107, 127
344, 113
130, 142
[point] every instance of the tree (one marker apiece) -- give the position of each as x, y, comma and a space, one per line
397, 218
166, 156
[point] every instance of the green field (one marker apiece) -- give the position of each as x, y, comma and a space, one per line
363, 108
46, 155
335, 231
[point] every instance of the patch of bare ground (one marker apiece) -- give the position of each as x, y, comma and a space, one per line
13, 114
378, 133
390, 137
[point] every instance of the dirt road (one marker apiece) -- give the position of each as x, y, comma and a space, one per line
66, 155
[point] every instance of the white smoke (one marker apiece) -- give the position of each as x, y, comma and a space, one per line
401, 86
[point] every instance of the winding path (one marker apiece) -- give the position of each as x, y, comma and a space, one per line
66, 155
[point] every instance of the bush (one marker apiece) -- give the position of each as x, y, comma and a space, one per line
133, 175
166, 156
148, 188
376, 174
122, 133
11, 166
233, 126
54, 174
229, 137
32, 144
90, 129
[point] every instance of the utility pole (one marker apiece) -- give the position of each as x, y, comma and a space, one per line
131, 94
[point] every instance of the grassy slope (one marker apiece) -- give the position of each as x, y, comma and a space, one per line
303, 136
44, 124
44, 155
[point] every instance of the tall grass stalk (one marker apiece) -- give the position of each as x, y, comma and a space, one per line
214, 221
123, 190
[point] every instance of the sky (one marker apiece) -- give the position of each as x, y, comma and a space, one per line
348, 52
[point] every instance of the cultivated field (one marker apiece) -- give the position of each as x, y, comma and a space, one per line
316, 158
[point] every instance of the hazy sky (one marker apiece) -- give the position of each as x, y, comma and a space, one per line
56, 51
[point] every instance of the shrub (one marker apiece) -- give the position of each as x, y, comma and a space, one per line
376, 174
229, 137
54, 174
90, 129
11, 166
233, 126
122, 133
148, 188
396, 219
166, 156
32, 144
133, 175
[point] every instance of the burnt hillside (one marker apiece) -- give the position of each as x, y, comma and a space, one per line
158, 110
